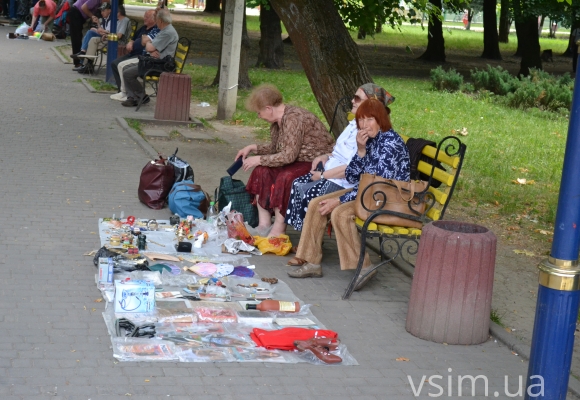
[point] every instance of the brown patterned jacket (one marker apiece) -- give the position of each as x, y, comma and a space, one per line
301, 137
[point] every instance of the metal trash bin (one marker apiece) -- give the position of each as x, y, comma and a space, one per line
453, 283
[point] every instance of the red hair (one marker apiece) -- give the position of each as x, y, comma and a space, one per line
375, 109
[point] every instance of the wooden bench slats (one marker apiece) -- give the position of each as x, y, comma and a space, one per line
430, 151
440, 197
434, 214
442, 176
389, 229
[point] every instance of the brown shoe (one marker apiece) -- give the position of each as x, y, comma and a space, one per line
296, 262
328, 343
306, 271
322, 353
363, 280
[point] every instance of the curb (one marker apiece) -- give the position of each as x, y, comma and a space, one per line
150, 151
498, 332
59, 56
88, 85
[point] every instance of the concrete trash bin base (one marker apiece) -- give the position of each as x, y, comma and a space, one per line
173, 97
453, 282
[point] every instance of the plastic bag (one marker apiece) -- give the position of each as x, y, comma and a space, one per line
237, 229
22, 29
280, 245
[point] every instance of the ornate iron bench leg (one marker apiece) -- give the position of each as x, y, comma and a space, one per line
361, 259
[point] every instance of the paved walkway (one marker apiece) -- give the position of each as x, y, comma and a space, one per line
65, 162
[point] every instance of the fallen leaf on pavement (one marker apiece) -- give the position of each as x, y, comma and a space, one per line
98, 300
525, 252
402, 359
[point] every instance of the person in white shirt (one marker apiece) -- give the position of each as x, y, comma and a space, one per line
332, 178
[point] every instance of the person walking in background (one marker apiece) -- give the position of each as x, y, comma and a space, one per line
78, 15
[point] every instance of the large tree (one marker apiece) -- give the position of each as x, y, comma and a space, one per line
328, 54
505, 22
490, 35
526, 19
271, 46
435, 43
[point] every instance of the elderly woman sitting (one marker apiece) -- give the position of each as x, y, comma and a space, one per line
332, 178
380, 151
298, 137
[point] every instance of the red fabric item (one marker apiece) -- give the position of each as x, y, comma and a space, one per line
283, 339
273, 184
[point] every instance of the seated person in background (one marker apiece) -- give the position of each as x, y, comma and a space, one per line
135, 48
46, 11
298, 137
318, 183
93, 38
380, 151
164, 44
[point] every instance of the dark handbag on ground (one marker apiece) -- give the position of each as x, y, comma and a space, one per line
183, 171
235, 191
392, 195
159, 65
155, 183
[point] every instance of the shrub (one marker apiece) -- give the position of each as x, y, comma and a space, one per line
449, 80
496, 80
544, 91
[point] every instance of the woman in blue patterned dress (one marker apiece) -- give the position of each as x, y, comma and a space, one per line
332, 178
380, 151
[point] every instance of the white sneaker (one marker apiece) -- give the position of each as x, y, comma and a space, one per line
121, 96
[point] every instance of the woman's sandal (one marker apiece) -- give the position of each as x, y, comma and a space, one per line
296, 262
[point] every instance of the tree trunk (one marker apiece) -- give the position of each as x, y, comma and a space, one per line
328, 54
541, 25
212, 6
243, 77
520, 39
490, 36
435, 42
271, 46
469, 19
530, 46
569, 50
504, 22
362, 34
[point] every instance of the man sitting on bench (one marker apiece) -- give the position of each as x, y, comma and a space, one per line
164, 44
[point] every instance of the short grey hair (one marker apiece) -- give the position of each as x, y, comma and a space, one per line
164, 16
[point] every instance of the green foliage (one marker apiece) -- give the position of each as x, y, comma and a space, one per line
539, 90
496, 80
543, 91
449, 80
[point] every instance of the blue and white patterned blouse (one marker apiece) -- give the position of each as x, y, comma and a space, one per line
387, 156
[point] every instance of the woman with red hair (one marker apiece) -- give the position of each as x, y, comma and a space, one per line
380, 151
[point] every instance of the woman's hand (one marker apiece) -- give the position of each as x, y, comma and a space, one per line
323, 158
315, 175
245, 151
251, 162
361, 141
326, 206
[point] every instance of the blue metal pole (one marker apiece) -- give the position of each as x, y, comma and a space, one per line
559, 278
112, 43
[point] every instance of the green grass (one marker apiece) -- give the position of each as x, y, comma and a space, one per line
64, 51
495, 317
136, 125
503, 144
101, 86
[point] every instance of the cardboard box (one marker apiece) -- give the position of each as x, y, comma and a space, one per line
134, 296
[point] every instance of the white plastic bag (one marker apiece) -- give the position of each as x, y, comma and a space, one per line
22, 29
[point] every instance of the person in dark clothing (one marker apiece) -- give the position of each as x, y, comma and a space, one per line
78, 15
135, 48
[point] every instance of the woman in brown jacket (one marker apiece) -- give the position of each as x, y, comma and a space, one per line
298, 137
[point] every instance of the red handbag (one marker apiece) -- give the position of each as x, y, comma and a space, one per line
155, 183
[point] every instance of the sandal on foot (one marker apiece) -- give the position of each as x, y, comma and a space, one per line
296, 262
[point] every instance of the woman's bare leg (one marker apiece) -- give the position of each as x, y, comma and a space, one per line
279, 227
264, 218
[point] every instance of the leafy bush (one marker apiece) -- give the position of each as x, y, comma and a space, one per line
544, 91
449, 80
496, 80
